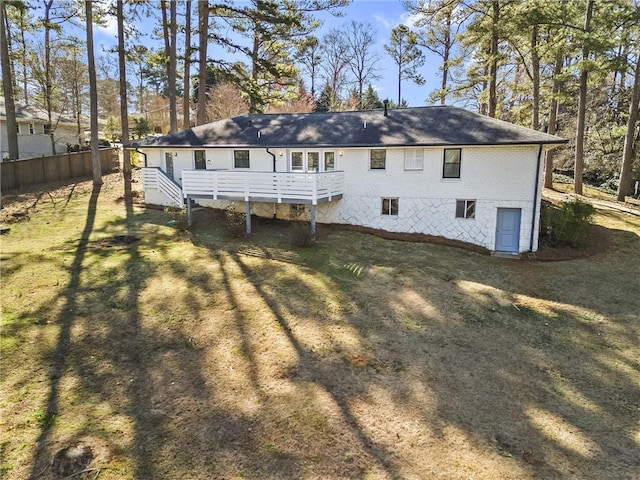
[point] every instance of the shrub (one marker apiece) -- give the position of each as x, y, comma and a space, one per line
236, 221
566, 225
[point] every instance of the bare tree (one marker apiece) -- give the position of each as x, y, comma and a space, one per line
361, 59
334, 56
225, 101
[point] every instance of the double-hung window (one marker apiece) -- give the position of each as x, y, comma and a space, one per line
329, 161
377, 159
452, 161
465, 209
241, 159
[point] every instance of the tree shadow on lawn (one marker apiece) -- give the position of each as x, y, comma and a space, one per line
423, 365
129, 382
532, 385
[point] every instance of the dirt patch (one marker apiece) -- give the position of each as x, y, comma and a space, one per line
20, 205
117, 241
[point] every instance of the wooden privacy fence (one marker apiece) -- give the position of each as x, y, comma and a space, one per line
21, 173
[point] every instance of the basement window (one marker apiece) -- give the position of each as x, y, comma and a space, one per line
389, 206
465, 209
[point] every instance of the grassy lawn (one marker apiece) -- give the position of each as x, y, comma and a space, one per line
188, 354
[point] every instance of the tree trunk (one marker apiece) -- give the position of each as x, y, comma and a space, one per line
24, 58
93, 98
582, 105
535, 66
203, 38
493, 64
186, 114
553, 115
124, 104
624, 188
171, 73
253, 106
445, 61
48, 89
7, 88
399, 83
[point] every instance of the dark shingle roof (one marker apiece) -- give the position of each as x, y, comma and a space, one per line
420, 126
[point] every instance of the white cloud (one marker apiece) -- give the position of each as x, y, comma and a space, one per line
109, 28
384, 21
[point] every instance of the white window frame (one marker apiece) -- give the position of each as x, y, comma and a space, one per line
324, 160
389, 210
32, 129
466, 209
316, 153
301, 167
414, 159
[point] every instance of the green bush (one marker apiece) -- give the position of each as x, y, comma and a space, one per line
566, 225
236, 221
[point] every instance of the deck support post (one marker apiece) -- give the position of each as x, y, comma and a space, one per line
248, 214
313, 222
189, 212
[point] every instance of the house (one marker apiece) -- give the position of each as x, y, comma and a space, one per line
34, 131
438, 170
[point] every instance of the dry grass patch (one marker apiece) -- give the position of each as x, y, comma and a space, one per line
176, 354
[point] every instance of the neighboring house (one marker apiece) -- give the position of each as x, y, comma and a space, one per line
440, 171
34, 131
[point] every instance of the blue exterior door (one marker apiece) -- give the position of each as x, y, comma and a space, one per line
508, 230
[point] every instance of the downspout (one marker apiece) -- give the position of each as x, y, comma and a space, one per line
275, 205
535, 199
274, 158
144, 155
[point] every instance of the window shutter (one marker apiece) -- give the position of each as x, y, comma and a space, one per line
413, 158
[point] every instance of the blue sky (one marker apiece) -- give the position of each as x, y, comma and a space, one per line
383, 15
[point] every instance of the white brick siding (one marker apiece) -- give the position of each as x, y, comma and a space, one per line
495, 177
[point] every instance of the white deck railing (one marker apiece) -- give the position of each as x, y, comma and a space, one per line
276, 186
156, 178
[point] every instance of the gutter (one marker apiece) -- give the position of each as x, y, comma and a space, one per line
274, 158
535, 199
